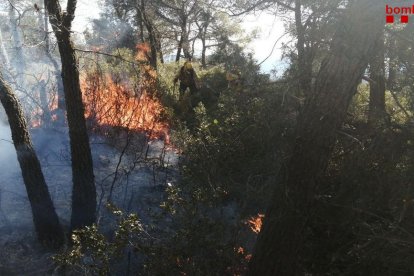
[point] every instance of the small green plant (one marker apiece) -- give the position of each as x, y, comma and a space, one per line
92, 252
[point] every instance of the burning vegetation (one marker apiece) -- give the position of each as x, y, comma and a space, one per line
115, 104
113, 99
255, 223
45, 106
116, 100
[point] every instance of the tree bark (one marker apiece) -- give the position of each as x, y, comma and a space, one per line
159, 46
59, 84
17, 50
203, 54
283, 238
84, 190
304, 62
46, 115
185, 42
3, 53
151, 35
46, 222
376, 112
392, 64
59, 87
179, 47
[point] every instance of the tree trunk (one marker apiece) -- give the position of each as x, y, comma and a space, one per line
283, 237
179, 47
17, 52
185, 42
59, 87
376, 112
46, 116
153, 45
46, 222
304, 62
392, 64
141, 28
59, 84
3, 53
159, 48
151, 35
46, 29
203, 53
84, 190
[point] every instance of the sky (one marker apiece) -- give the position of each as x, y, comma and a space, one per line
268, 45
271, 29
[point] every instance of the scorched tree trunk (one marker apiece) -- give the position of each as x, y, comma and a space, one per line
84, 191
48, 228
283, 238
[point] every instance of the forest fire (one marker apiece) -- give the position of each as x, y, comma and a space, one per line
108, 103
115, 101
255, 223
45, 111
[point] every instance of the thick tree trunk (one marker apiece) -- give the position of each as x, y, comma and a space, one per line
186, 43
153, 44
283, 237
183, 44
48, 229
376, 112
84, 191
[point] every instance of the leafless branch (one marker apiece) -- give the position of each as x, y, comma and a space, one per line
112, 55
273, 48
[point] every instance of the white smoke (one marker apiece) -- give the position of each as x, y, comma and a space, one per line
8, 158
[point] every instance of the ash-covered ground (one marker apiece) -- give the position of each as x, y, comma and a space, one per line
133, 179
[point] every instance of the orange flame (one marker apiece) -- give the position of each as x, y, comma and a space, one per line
114, 102
110, 102
240, 268
37, 114
255, 223
243, 252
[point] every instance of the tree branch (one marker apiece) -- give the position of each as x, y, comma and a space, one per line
112, 55
69, 15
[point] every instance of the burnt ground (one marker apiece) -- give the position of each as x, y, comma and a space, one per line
137, 179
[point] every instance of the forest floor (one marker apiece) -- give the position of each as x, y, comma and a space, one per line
134, 180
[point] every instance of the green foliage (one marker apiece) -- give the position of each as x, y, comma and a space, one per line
230, 159
361, 225
92, 252
397, 106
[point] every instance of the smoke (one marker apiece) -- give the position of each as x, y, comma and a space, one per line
14, 207
8, 158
